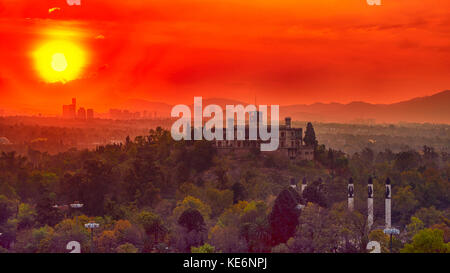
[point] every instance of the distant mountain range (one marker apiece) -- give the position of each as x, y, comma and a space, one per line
432, 109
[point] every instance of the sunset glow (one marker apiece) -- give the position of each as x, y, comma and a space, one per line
59, 61
288, 52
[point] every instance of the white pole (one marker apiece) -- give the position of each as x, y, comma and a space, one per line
303, 184
388, 203
350, 193
370, 203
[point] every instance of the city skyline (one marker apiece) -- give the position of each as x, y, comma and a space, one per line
299, 52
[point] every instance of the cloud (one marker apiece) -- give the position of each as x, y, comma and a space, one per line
53, 10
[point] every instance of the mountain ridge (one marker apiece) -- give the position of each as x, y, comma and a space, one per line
432, 109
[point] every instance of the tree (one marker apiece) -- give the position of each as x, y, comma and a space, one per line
206, 248
227, 239
142, 179
435, 191
368, 156
46, 213
192, 219
240, 226
379, 236
194, 203
239, 192
315, 193
428, 241
407, 160
429, 216
202, 155
192, 232
26, 216
153, 226
283, 219
7, 209
414, 227
96, 178
310, 136
127, 248
430, 157
404, 204
219, 200
329, 230
221, 170
316, 232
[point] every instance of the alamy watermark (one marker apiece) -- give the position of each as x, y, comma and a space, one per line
374, 2
213, 129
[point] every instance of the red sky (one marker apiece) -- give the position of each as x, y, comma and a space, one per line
284, 52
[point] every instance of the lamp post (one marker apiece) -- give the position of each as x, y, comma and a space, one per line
92, 226
76, 205
390, 232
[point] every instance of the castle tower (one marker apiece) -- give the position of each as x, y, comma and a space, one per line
388, 203
287, 121
350, 191
370, 203
303, 184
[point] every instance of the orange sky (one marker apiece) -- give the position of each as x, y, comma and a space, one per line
284, 52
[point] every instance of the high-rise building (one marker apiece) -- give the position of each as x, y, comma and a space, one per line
81, 114
69, 111
90, 114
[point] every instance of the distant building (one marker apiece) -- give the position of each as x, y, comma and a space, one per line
90, 114
81, 114
290, 140
119, 114
290, 143
69, 111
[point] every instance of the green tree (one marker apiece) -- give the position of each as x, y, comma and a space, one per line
127, 248
428, 241
310, 136
153, 226
7, 209
315, 193
26, 216
194, 203
206, 248
429, 216
219, 200
414, 227
404, 204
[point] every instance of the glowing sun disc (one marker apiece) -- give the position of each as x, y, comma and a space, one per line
59, 61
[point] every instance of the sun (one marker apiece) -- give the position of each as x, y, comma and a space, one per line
59, 61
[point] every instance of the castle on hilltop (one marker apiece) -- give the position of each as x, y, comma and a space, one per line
291, 143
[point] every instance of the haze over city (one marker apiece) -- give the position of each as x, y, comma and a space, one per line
301, 52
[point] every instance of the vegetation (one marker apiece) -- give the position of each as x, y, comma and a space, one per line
153, 194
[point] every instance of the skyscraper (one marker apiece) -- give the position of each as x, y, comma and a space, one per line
69, 111
90, 114
81, 114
